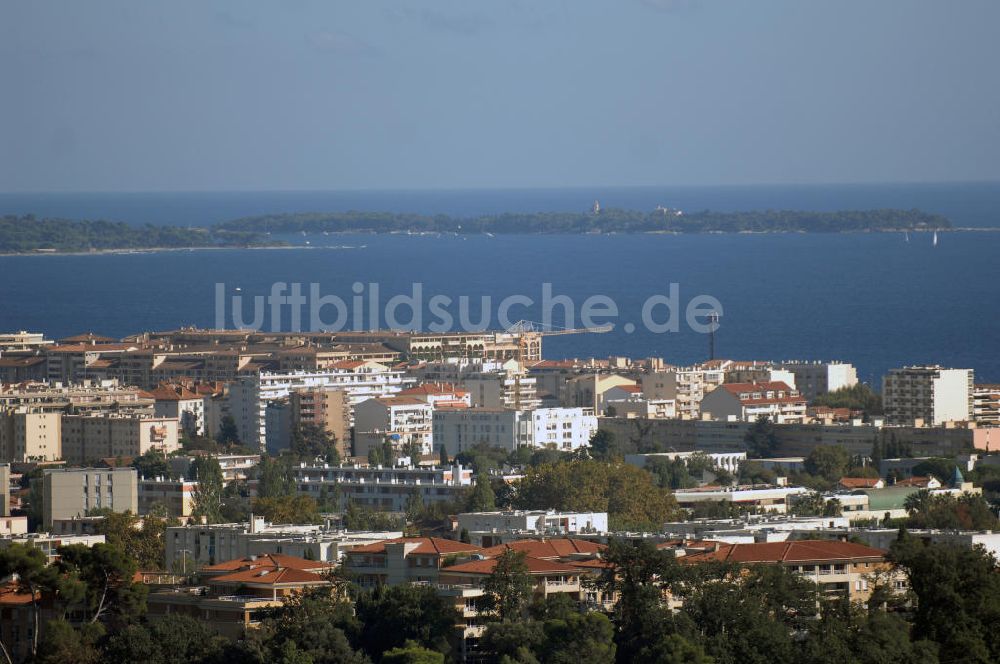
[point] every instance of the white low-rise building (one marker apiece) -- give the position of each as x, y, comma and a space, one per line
492, 528
403, 421
770, 499
728, 461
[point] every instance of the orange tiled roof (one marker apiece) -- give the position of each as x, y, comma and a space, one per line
269, 575
548, 548
921, 482
536, 566
784, 552
268, 560
859, 482
11, 594
425, 545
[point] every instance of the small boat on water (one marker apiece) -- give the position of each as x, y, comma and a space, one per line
934, 241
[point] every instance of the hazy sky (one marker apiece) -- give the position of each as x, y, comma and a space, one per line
116, 96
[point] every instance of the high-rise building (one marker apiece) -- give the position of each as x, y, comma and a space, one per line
930, 394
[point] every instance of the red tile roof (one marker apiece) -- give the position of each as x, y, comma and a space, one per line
859, 482
752, 388
536, 566
268, 560
785, 552
425, 545
548, 548
269, 575
11, 594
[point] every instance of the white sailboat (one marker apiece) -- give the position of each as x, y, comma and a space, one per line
906, 235
934, 241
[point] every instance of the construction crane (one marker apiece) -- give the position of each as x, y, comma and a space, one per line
523, 328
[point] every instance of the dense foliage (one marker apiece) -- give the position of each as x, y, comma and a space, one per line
628, 494
26, 233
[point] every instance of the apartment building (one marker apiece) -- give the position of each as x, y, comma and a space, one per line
928, 395
492, 528
439, 395
328, 409
87, 397
30, 436
986, 404
235, 467
177, 497
813, 379
71, 492
749, 401
404, 560
23, 341
771, 499
403, 421
87, 438
656, 409
178, 402
591, 390
459, 429
22, 368
249, 396
490, 383
386, 489
840, 569
685, 386
4, 489
206, 544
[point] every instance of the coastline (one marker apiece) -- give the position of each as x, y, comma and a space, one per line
271, 247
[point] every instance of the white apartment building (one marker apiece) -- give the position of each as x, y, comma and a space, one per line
23, 341
685, 386
180, 403
747, 401
488, 529
490, 383
649, 409
383, 488
986, 404
403, 421
931, 394
249, 396
459, 429
815, 378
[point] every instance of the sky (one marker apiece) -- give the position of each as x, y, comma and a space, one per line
451, 94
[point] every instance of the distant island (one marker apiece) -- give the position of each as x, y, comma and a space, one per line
663, 220
28, 234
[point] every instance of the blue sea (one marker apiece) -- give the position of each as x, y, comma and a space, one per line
872, 299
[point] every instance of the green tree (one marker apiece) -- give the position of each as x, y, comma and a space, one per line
392, 616
760, 439
229, 433
412, 653
274, 477
309, 627
603, 445
208, 494
508, 588
111, 595
828, 461
287, 509
957, 591
310, 441
856, 397
627, 493
142, 543
152, 463
33, 575
481, 498
60, 642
